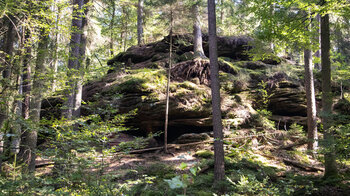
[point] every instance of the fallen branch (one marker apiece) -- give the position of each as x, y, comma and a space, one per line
193, 143
302, 166
295, 164
291, 146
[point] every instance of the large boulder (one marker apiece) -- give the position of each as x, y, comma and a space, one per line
144, 91
233, 47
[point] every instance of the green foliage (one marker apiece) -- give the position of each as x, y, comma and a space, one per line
296, 130
183, 181
343, 142
204, 153
160, 170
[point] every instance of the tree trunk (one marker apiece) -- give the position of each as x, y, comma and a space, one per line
79, 84
310, 97
26, 149
111, 25
26, 77
327, 99
140, 22
74, 57
8, 49
54, 48
219, 167
311, 101
29, 138
197, 33
318, 52
168, 84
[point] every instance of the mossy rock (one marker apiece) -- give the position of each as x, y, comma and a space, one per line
185, 57
227, 66
157, 169
343, 106
232, 84
192, 137
204, 154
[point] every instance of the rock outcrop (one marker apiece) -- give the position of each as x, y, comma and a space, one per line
137, 82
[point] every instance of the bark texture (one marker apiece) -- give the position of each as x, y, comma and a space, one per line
168, 85
197, 33
140, 22
310, 97
111, 26
79, 84
219, 167
8, 50
74, 57
327, 99
311, 101
29, 138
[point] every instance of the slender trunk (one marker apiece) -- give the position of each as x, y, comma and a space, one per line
219, 167
79, 84
221, 12
54, 64
310, 96
318, 52
16, 139
125, 27
6, 70
197, 33
111, 25
168, 84
327, 100
311, 101
26, 76
74, 57
26, 149
140, 22
29, 138
8, 49
272, 12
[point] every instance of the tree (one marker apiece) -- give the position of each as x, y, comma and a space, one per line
310, 95
327, 99
197, 32
76, 56
168, 82
140, 22
219, 167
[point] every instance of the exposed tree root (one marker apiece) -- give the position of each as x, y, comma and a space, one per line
196, 68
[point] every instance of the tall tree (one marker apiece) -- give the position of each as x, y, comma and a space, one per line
310, 94
327, 99
111, 26
8, 50
82, 50
29, 137
168, 85
197, 31
219, 167
140, 22
75, 60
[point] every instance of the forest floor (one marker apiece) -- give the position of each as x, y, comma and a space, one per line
274, 155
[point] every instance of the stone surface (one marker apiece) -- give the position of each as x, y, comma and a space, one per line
142, 87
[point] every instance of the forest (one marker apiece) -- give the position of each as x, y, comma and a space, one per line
175, 97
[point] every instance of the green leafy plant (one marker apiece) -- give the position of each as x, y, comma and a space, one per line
184, 180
